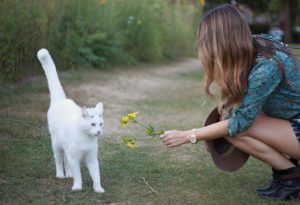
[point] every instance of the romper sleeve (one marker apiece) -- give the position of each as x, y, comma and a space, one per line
262, 81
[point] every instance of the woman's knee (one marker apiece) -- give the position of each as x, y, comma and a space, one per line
238, 141
249, 144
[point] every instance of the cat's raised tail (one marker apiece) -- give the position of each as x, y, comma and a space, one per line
56, 91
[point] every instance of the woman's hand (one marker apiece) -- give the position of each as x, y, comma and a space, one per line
175, 138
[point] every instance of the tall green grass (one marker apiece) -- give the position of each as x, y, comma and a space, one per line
94, 33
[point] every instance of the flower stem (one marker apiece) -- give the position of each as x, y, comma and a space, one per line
141, 124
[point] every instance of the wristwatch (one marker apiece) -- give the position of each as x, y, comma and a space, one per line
193, 137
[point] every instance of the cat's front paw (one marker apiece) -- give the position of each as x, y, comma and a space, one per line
60, 176
77, 187
69, 175
99, 189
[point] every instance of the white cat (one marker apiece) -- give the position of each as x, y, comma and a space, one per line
74, 130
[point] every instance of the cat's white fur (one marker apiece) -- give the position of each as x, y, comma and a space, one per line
74, 130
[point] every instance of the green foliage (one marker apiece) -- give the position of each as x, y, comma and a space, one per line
150, 131
92, 33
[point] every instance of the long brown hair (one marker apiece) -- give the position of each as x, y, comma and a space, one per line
228, 51
225, 47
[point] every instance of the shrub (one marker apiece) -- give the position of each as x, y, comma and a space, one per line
95, 33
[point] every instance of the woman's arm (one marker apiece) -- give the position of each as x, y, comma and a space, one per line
213, 131
175, 138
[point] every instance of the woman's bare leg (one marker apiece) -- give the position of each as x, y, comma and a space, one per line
276, 133
261, 151
269, 140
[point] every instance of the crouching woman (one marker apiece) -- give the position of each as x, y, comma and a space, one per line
259, 81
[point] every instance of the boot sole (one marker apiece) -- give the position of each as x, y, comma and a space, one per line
293, 196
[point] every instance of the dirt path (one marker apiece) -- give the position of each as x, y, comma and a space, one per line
120, 90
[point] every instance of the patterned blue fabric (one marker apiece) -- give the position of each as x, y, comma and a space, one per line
268, 92
295, 123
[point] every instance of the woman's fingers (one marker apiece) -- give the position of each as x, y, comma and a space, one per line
167, 133
167, 139
172, 138
169, 144
164, 134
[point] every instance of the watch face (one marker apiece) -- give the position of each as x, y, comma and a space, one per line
193, 139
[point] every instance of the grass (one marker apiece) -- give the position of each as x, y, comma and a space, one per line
168, 97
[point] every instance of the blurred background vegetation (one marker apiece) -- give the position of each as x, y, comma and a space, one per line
104, 33
263, 15
93, 33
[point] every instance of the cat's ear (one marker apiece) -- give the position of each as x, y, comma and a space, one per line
84, 112
99, 108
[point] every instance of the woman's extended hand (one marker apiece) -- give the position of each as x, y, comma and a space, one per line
175, 138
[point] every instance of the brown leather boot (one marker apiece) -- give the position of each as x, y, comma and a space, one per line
275, 181
288, 187
272, 187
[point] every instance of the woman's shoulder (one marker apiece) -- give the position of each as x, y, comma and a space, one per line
267, 46
272, 55
265, 39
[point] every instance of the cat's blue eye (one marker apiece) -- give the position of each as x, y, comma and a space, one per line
101, 124
93, 124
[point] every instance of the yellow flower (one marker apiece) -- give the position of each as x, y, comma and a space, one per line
102, 2
124, 121
124, 124
202, 2
131, 144
132, 116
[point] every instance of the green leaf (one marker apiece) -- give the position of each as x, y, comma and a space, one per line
128, 139
150, 131
161, 132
